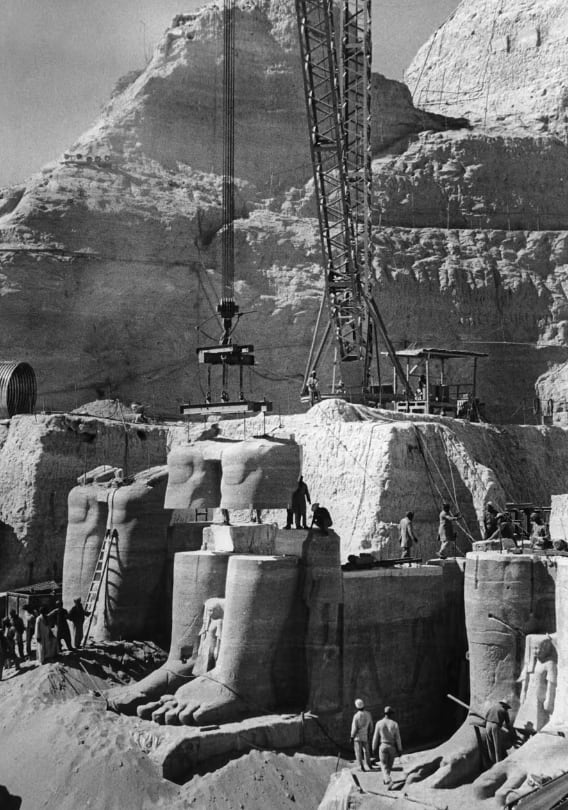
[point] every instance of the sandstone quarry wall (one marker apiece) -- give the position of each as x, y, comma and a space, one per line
368, 470
403, 642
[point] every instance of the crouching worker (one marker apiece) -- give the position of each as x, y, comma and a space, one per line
361, 729
321, 518
387, 740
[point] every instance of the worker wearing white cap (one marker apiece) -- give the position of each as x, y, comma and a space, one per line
387, 739
361, 729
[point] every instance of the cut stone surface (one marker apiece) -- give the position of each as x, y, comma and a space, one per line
290, 541
260, 473
194, 477
248, 538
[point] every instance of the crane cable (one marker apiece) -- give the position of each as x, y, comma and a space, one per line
228, 148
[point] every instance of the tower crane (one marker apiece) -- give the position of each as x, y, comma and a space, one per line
337, 85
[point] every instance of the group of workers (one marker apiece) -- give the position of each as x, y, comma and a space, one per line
385, 741
501, 526
48, 628
446, 533
313, 388
297, 510
497, 526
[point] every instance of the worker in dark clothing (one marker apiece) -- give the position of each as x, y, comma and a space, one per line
496, 720
321, 518
490, 520
31, 616
299, 497
8, 640
18, 628
406, 534
77, 617
59, 618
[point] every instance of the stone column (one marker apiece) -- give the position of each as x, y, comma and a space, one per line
506, 597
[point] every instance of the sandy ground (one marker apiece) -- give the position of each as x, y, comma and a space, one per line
374, 795
61, 749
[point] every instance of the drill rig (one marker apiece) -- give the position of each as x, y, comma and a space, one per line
337, 85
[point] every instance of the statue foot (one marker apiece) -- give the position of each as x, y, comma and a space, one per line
163, 681
204, 701
453, 763
543, 757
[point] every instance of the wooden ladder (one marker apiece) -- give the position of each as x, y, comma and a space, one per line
100, 570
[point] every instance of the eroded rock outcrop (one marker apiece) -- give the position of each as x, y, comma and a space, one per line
519, 50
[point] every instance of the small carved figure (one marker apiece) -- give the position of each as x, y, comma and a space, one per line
538, 680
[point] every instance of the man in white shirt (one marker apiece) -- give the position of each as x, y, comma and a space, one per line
387, 739
361, 729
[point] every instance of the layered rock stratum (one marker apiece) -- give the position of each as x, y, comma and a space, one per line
110, 256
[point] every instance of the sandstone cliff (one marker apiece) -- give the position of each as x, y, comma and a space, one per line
502, 64
126, 223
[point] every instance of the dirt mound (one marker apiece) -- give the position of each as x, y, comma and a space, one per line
61, 750
263, 779
110, 409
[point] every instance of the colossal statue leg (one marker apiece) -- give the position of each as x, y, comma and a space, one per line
546, 753
260, 597
130, 607
86, 525
506, 597
198, 576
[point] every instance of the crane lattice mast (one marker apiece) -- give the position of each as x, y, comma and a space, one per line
338, 102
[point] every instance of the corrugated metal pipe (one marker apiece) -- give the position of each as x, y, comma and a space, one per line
18, 388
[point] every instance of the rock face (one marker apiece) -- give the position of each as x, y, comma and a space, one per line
126, 224
365, 468
519, 50
41, 458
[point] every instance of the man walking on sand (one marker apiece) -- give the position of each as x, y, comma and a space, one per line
387, 739
361, 729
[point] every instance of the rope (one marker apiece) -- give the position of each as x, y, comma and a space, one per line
422, 446
254, 707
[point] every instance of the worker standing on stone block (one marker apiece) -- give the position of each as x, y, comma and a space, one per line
406, 534
387, 740
361, 728
299, 497
447, 532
